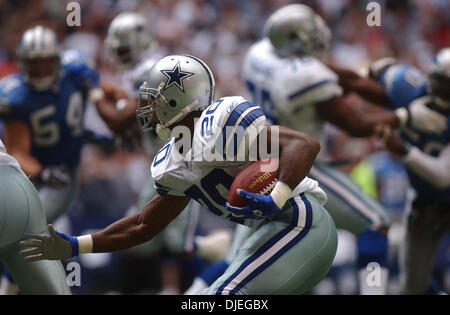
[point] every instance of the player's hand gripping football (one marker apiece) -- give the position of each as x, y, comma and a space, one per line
53, 246
259, 206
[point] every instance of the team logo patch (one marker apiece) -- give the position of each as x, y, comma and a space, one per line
176, 77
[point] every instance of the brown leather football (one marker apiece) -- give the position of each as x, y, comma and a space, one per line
259, 177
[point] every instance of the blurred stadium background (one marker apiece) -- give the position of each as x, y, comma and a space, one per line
220, 31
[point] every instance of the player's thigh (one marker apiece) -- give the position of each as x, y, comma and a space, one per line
279, 258
41, 277
20, 212
56, 201
351, 208
20, 207
179, 235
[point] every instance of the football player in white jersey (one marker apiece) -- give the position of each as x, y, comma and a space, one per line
133, 52
130, 44
286, 76
294, 239
21, 212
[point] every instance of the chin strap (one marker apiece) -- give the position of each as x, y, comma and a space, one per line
163, 131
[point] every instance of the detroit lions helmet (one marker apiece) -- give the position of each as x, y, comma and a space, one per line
176, 85
38, 55
297, 30
439, 79
128, 38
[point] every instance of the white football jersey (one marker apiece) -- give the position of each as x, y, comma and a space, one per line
289, 88
208, 180
6, 159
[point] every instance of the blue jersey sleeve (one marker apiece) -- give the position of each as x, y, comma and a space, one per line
74, 63
403, 84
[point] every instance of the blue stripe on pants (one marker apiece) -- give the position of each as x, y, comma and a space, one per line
269, 244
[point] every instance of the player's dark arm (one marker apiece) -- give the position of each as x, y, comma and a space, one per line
117, 119
341, 114
18, 143
368, 89
297, 154
141, 227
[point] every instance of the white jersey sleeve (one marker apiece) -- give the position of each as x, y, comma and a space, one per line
167, 167
226, 131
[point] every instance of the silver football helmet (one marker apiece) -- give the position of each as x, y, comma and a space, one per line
128, 38
297, 30
38, 55
439, 79
176, 85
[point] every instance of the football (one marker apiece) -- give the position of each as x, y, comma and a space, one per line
259, 177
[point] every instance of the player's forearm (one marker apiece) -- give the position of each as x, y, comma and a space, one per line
368, 124
341, 113
297, 154
365, 125
125, 233
117, 119
435, 170
368, 89
139, 228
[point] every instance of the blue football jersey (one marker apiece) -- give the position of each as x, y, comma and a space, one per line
392, 181
54, 117
404, 85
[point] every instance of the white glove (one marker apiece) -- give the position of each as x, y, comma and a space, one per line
422, 118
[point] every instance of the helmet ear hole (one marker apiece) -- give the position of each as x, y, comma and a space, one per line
173, 103
292, 35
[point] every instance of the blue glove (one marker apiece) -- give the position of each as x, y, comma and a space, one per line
53, 246
259, 207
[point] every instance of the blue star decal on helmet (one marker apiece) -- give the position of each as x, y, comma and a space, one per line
176, 76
